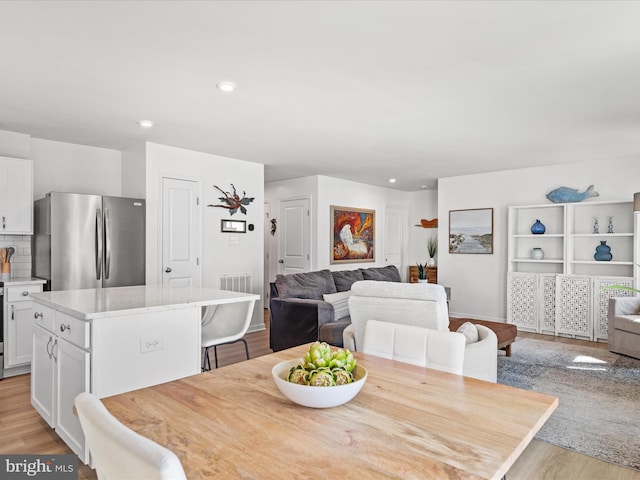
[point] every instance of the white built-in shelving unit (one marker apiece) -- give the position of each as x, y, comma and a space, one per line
566, 293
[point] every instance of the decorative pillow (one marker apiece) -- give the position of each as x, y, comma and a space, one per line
340, 303
305, 285
470, 332
383, 274
345, 278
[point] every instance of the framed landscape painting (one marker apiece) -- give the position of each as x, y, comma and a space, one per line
352, 235
471, 231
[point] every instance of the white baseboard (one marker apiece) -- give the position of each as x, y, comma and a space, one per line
477, 317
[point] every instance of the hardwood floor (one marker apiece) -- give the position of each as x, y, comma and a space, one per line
23, 431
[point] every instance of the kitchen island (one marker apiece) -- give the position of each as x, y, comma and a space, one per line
113, 340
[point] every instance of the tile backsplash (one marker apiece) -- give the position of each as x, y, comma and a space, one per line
21, 260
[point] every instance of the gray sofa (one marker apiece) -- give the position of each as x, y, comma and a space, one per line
305, 307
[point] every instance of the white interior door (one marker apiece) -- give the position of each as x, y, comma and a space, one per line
394, 236
181, 245
294, 236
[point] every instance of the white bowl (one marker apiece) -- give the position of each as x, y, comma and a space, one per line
317, 397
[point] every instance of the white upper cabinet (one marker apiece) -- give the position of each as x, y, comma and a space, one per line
16, 196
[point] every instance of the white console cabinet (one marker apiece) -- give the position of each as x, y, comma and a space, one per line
566, 291
532, 301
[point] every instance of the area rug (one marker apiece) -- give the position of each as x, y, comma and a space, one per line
599, 396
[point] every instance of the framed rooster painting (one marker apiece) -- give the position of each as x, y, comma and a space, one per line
352, 235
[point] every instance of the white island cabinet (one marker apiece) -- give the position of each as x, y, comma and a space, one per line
113, 340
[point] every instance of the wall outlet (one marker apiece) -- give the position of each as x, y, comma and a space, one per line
150, 344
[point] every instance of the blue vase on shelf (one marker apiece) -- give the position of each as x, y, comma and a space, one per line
603, 252
538, 228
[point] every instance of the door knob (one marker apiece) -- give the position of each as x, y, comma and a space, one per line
168, 269
281, 261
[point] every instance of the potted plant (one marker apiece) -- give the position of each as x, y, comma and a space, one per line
422, 272
432, 249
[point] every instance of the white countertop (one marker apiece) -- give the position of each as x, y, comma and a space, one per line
110, 302
21, 281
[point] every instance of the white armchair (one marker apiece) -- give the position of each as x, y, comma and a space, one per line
481, 357
624, 326
421, 305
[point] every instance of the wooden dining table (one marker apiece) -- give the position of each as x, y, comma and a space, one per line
407, 422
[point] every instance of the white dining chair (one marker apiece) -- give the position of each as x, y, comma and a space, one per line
438, 349
119, 453
224, 324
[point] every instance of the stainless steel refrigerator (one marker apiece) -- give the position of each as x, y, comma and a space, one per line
88, 241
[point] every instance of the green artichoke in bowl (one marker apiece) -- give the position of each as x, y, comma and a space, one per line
319, 355
323, 367
341, 376
298, 375
322, 377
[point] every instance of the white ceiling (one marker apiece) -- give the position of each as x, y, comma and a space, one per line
356, 90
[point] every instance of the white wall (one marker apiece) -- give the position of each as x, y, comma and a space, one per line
478, 282
134, 171
15, 145
275, 192
422, 204
326, 191
67, 167
218, 257
343, 193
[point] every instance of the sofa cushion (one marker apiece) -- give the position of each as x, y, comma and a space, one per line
345, 278
412, 291
627, 323
332, 332
340, 303
305, 285
384, 274
470, 332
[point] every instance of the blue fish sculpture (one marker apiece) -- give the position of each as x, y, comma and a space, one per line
566, 194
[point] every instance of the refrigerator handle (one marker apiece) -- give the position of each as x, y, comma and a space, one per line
98, 244
107, 243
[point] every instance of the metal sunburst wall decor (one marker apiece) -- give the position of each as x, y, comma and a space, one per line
232, 201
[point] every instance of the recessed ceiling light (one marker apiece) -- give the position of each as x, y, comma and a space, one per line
226, 86
145, 123
392, 180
